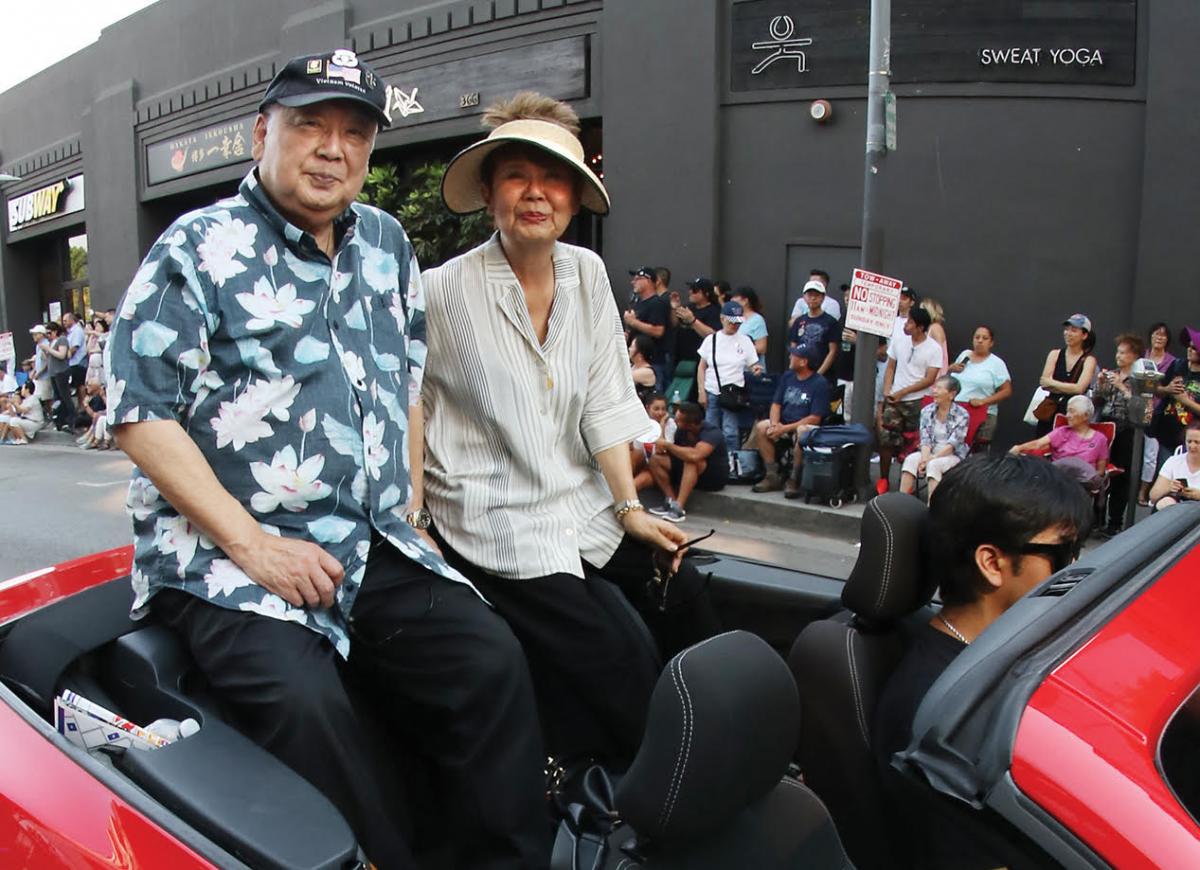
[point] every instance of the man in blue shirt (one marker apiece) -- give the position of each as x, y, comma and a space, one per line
817, 328
801, 402
261, 372
77, 361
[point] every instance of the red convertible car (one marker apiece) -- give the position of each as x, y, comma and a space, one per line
1067, 735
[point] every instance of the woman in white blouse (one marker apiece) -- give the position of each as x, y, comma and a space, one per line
529, 411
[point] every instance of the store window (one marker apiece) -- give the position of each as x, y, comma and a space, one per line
76, 292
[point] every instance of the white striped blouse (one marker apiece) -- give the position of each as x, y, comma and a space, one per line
512, 424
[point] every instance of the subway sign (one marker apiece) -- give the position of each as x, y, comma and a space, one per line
59, 198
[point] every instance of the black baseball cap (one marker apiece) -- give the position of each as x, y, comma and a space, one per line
644, 272
334, 75
704, 284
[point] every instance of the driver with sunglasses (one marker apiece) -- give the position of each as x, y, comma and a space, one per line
998, 526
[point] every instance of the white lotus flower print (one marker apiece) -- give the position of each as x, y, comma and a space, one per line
288, 483
396, 309
376, 454
274, 606
269, 306
198, 358
243, 422
141, 586
178, 536
140, 289
353, 364
225, 577
224, 240
143, 499
339, 282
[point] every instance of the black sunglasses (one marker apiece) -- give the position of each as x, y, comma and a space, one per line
1061, 554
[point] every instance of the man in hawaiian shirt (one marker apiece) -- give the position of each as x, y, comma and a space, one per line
261, 368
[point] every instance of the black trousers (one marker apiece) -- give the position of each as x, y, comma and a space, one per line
65, 415
1120, 454
443, 672
593, 662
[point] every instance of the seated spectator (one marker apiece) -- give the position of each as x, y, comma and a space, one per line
21, 416
97, 436
815, 327
1077, 448
724, 358
912, 367
943, 429
1179, 479
641, 349
998, 526
801, 403
695, 459
754, 324
656, 409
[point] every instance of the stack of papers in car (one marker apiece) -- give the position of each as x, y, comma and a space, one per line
91, 726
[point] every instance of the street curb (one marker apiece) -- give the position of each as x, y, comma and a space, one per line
737, 502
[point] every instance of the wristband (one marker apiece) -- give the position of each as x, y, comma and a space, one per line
621, 508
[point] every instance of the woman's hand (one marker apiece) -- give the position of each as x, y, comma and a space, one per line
702, 398
1045, 382
656, 532
957, 368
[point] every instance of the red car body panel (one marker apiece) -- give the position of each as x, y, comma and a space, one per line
53, 813
1087, 745
32, 591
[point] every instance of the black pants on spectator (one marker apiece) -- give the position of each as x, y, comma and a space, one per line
64, 417
444, 671
1120, 454
593, 662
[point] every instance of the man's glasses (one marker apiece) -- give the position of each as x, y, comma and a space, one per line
1060, 555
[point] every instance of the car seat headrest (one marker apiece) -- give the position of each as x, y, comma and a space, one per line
721, 730
890, 579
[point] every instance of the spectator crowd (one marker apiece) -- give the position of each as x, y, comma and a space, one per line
699, 365
62, 384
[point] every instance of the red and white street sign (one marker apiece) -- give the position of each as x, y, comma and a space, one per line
7, 351
872, 303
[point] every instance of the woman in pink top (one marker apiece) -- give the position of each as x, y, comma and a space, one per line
1076, 448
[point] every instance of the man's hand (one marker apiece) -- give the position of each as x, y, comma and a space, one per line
657, 533
774, 430
299, 572
660, 446
630, 318
977, 403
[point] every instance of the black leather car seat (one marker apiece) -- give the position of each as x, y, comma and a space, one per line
841, 666
708, 790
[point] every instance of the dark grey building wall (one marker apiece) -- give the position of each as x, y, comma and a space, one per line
1170, 202
660, 135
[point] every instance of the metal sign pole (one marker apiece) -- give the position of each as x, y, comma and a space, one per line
879, 71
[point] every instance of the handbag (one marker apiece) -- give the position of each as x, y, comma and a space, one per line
1040, 396
731, 397
1044, 411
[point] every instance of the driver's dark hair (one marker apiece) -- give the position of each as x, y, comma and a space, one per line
1002, 500
691, 412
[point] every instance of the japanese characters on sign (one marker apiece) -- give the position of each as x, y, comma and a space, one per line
220, 145
872, 303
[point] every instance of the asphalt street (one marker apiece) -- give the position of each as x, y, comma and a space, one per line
64, 502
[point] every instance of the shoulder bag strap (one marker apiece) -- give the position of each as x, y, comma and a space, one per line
716, 368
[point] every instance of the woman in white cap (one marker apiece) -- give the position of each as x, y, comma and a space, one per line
529, 413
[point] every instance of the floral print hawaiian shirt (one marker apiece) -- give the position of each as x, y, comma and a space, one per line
293, 375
